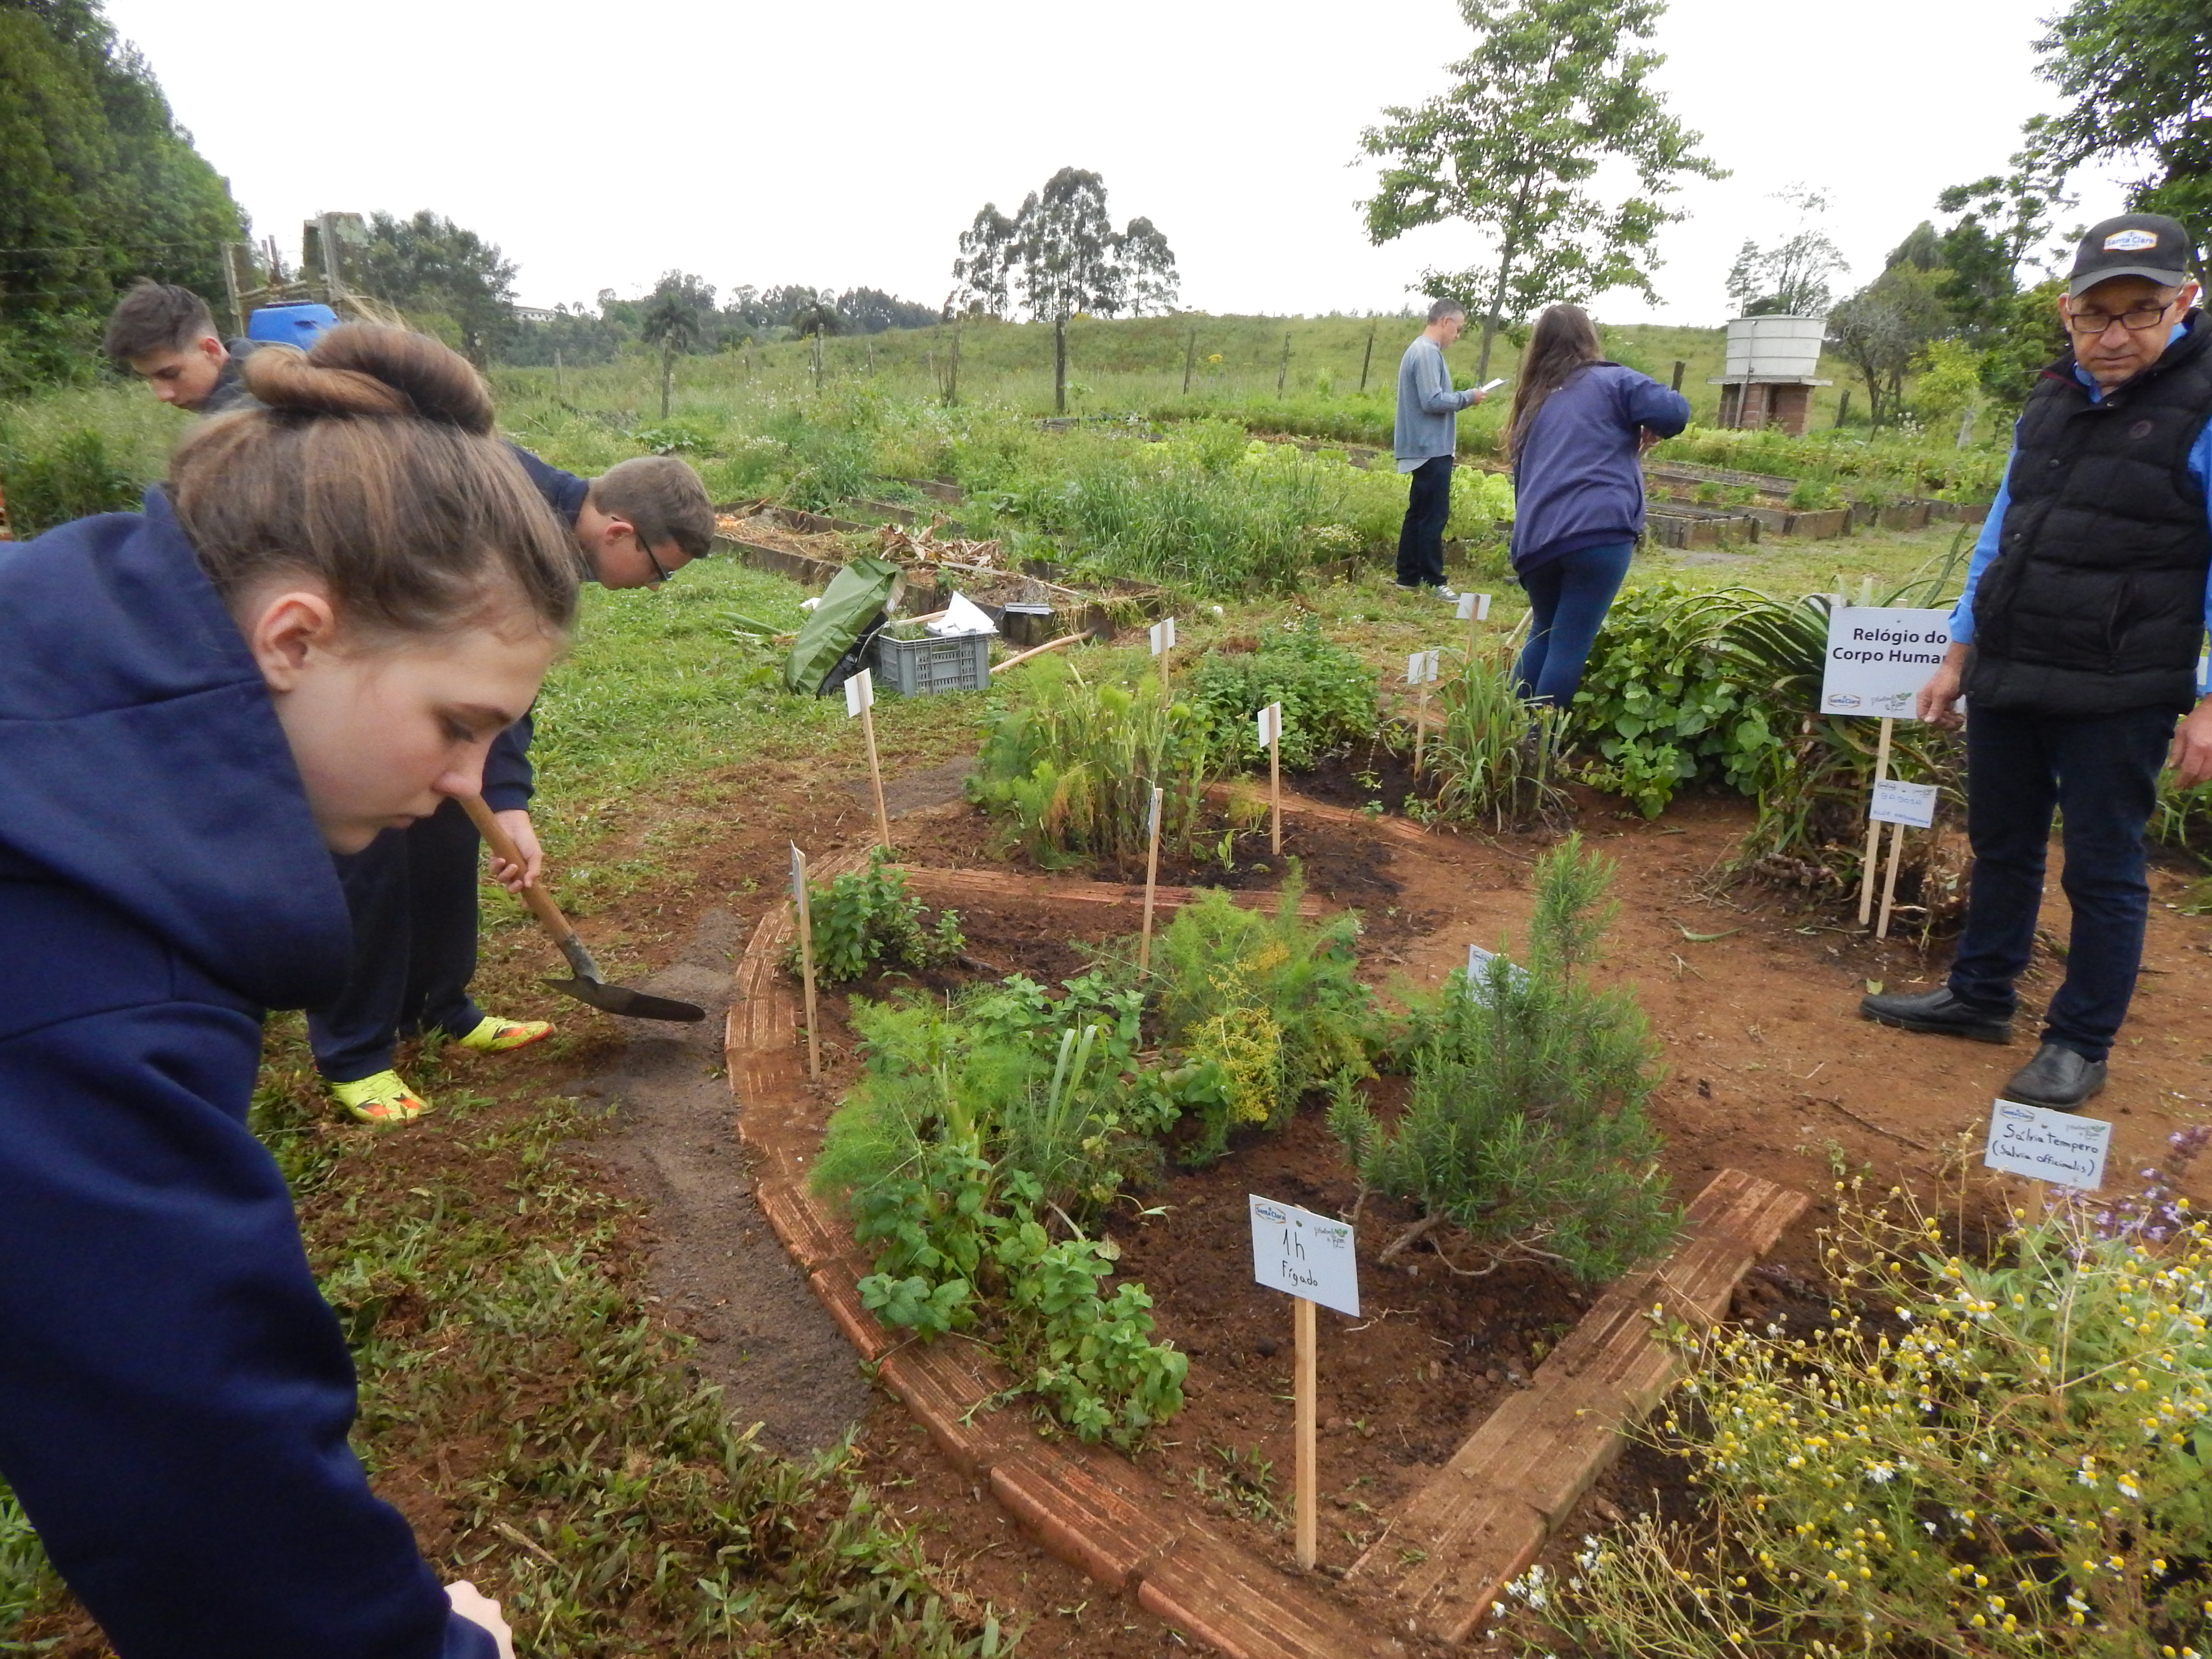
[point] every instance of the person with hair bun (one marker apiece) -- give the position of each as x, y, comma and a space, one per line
1579, 428
312, 633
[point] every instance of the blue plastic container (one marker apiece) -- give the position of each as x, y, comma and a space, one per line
290, 325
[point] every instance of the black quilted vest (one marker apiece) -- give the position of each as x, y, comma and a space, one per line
2094, 603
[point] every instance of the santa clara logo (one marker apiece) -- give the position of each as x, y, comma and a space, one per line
2130, 241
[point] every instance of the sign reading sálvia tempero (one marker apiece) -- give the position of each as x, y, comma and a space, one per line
2059, 1147
1879, 656
1302, 1253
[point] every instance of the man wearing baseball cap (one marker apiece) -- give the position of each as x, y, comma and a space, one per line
2076, 644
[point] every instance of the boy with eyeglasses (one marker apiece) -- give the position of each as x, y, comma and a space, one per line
2076, 643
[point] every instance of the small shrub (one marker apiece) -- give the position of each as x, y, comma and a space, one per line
866, 917
24, 1575
1525, 1128
1496, 756
1070, 766
1328, 696
67, 475
2006, 1455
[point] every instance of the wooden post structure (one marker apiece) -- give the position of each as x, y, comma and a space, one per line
806, 959
1843, 405
231, 284
560, 387
1874, 831
1283, 370
860, 701
1889, 878
1163, 636
1678, 367
1189, 357
1271, 723
1368, 358
1309, 1460
953, 385
1152, 881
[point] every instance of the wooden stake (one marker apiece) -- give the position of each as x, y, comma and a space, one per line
1889, 878
1874, 831
1308, 1470
806, 961
1421, 728
1152, 883
876, 777
1275, 772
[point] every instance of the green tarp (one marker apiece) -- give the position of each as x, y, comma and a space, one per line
854, 598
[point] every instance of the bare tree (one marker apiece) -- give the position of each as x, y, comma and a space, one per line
1881, 329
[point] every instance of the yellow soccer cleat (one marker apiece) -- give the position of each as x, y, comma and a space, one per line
493, 1035
382, 1098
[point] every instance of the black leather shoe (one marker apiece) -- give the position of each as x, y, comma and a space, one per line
2056, 1078
1939, 1014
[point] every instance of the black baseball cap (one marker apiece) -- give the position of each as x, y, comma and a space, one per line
2133, 245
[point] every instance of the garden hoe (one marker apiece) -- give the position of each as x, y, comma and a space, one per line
587, 985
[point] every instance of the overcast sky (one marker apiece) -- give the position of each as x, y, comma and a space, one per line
601, 144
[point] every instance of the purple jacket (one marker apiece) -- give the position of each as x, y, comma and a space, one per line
1576, 483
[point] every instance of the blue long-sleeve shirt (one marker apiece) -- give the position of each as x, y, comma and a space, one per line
509, 780
1985, 545
1428, 409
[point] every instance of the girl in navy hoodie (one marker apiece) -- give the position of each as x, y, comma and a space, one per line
1578, 426
312, 632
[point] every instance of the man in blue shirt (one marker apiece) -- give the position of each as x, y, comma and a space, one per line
2076, 644
1423, 439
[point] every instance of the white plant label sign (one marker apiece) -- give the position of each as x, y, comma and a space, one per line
1302, 1253
1478, 972
798, 875
1162, 635
1912, 805
1474, 607
859, 693
1152, 817
2060, 1147
1879, 656
1422, 667
1270, 723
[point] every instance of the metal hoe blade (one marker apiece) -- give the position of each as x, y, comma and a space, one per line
632, 1005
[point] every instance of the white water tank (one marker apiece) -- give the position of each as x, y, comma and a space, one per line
1775, 348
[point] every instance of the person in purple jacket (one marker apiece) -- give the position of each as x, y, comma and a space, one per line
311, 634
1578, 426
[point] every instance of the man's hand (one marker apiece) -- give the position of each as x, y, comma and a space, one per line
473, 1604
1937, 702
2191, 757
1647, 440
516, 823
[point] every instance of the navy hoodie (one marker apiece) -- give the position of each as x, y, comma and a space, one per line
174, 1393
509, 780
1577, 481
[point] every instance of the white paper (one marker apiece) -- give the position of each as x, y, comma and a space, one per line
963, 615
1910, 804
1879, 656
1270, 724
1422, 667
1153, 817
1474, 607
859, 693
1478, 972
2059, 1147
798, 875
1302, 1253
1162, 633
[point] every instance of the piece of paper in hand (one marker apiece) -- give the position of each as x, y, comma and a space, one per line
1912, 805
1302, 1253
2043, 1144
963, 615
859, 693
1162, 633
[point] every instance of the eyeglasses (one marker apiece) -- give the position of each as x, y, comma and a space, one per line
2090, 324
661, 572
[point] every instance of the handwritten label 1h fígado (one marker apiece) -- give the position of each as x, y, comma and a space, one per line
1910, 804
1302, 1253
1879, 656
859, 693
2047, 1145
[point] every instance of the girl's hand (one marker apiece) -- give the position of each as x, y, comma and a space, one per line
516, 823
473, 1604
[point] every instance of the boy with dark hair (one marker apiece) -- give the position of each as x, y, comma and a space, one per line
413, 893
167, 337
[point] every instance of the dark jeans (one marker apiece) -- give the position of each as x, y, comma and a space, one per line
1421, 538
1568, 598
412, 895
2101, 773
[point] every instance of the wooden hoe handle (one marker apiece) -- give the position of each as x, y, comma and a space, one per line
539, 901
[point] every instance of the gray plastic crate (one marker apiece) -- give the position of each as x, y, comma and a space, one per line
923, 667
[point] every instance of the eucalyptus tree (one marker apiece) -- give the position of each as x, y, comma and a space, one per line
1061, 255
1553, 90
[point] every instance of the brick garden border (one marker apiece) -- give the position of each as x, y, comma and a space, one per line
1479, 1520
